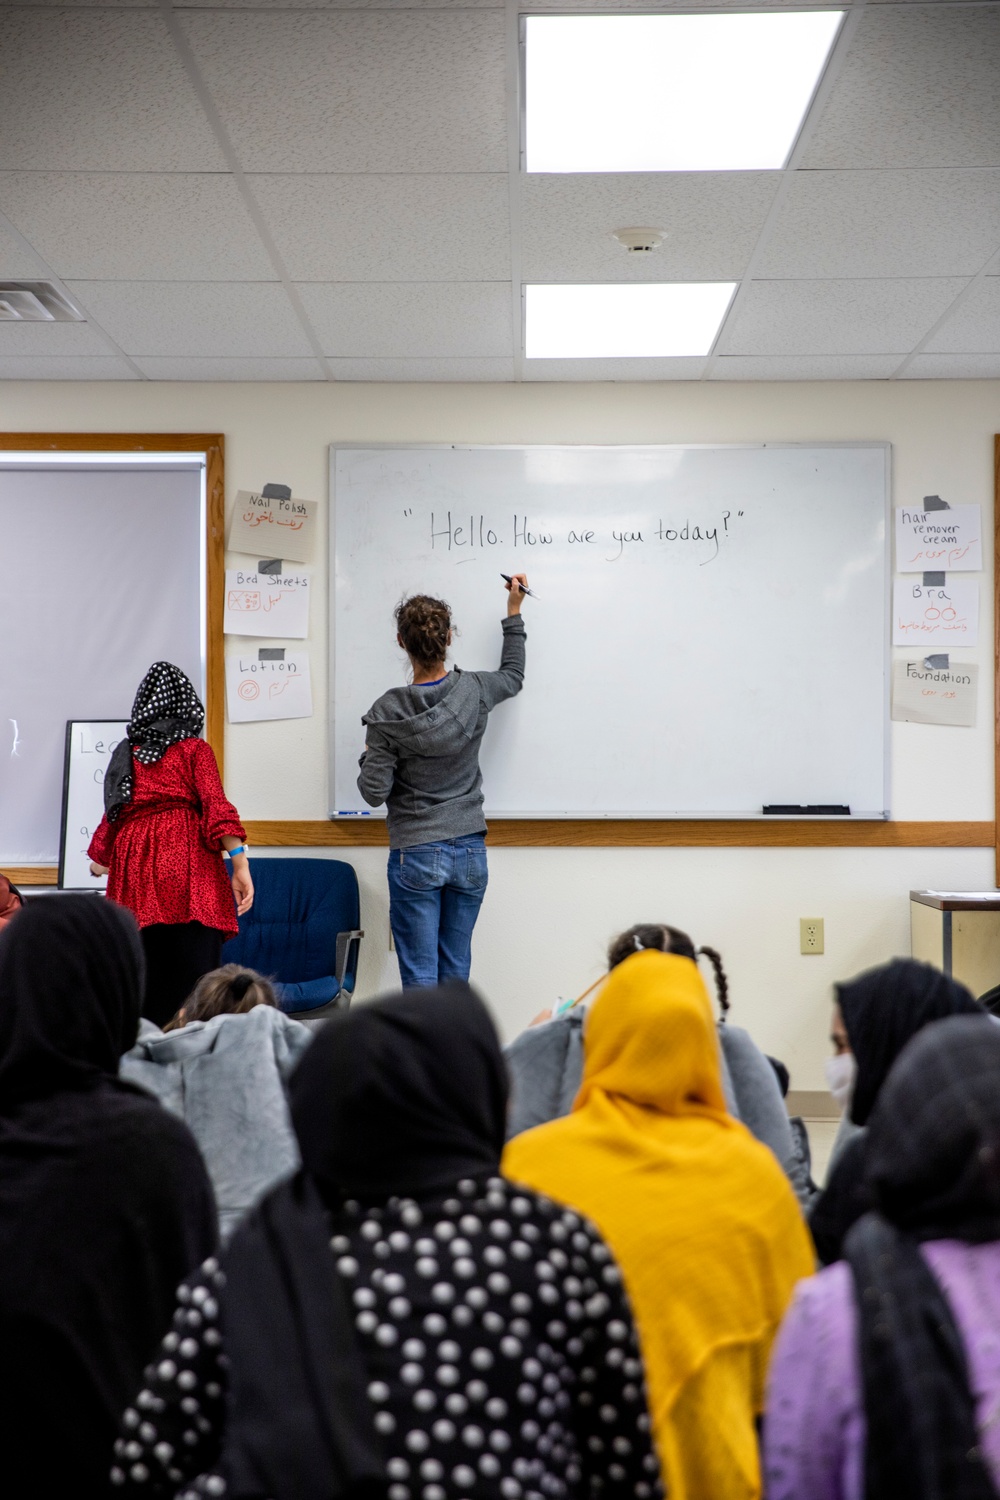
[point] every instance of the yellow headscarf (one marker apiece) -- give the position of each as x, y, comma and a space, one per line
698, 1214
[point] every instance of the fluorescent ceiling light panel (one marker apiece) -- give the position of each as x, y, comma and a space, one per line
702, 93
624, 321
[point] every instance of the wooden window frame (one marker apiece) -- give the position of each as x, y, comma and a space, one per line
213, 445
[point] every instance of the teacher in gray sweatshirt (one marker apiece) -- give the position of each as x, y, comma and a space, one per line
422, 760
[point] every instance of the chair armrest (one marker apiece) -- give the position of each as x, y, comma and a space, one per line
345, 940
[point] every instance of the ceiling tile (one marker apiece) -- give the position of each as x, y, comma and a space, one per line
953, 367
415, 320
389, 228
918, 88
806, 367
230, 369
54, 367
940, 223
144, 226
344, 4
98, 90
358, 91
712, 220
658, 5
17, 261
74, 4
455, 371
195, 317
836, 317
50, 339
974, 326
613, 369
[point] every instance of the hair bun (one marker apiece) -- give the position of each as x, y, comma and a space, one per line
241, 983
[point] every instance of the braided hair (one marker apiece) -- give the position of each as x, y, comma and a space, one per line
665, 939
423, 625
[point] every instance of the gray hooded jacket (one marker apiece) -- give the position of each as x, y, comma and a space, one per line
545, 1064
226, 1079
423, 743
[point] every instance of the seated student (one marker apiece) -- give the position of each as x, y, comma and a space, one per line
546, 1061
881, 1010
885, 1382
11, 901
697, 1213
397, 1320
223, 1064
104, 1201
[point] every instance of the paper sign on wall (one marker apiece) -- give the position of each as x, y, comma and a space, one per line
269, 523
268, 685
949, 539
925, 695
922, 612
259, 603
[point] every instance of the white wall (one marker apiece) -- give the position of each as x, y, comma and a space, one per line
549, 912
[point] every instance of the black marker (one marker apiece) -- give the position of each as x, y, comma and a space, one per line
508, 579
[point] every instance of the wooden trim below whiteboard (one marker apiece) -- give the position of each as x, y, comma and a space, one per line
626, 833
647, 833
213, 445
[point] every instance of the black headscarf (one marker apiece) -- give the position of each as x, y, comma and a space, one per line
166, 710
883, 1008
104, 1202
402, 1096
933, 1164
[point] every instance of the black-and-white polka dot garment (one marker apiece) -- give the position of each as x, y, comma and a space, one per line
501, 1357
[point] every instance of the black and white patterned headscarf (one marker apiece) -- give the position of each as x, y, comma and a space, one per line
166, 710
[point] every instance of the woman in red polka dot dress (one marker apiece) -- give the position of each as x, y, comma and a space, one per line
166, 823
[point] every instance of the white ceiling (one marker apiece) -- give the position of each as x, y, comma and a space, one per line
293, 190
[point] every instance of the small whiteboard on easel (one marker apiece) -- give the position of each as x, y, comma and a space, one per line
89, 743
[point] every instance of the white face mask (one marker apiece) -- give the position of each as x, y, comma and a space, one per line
841, 1072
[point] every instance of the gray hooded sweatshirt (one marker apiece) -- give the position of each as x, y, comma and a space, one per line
422, 758
226, 1078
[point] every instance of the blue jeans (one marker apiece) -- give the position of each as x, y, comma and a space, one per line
435, 892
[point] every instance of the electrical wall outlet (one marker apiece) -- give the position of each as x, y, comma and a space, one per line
810, 934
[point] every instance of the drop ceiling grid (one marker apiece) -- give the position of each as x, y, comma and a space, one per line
387, 193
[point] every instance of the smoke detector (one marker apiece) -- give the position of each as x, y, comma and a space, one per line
639, 239
36, 302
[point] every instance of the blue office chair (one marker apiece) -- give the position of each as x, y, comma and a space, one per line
302, 932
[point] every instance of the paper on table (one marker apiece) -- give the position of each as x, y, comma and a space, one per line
965, 895
940, 612
949, 539
281, 528
275, 604
938, 696
270, 689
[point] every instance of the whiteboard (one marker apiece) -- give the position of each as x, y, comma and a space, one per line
710, 633
102, 572
88, 751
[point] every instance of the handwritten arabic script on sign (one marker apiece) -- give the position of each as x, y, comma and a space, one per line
266, 524
946, 539
927, 613
275, 604
278, 689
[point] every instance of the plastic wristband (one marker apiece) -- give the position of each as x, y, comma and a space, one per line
240, 849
